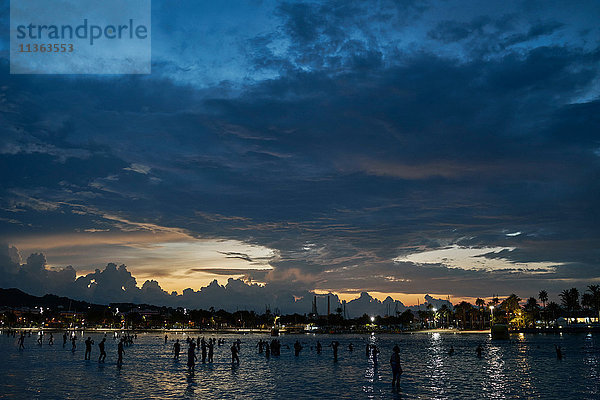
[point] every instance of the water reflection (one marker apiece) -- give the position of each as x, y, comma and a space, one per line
496, 386
525, 368
591, 361
435, 366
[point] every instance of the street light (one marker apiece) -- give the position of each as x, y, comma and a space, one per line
372, 319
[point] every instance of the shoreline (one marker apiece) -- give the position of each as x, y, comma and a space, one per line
246, 331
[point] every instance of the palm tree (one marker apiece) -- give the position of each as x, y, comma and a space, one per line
543, 296
511, 306
532, 309
594, 291
570, 300
463, 309
553, 309
480, 303
444, 313
495, 300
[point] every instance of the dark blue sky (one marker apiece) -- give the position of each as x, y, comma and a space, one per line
401, 147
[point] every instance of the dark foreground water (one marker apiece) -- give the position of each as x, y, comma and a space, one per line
524, 368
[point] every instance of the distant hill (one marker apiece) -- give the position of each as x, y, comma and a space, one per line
17, 298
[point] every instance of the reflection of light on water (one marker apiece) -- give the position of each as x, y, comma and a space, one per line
523, 369
495, 370
372, 374
592, 364
523, 365
436, 373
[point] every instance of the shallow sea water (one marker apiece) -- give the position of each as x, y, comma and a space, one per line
524, 368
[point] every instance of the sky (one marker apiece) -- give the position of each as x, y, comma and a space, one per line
399, 148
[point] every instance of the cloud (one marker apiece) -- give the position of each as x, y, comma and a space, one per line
363, 131
478, 258
116, 284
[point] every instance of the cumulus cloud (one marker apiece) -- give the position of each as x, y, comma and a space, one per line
116, 284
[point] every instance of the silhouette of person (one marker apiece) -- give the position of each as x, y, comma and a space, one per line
64, 339
396, 368
319, 347
350, 347
22, 341
88, 348
260, 346
334, 346
297, 348
234, 354
211, 349
51, 340
102, 351
120, 352
191, 362
451, 351
203, 348
166, 337
73, 342
40, 338
559, 354
479, 350
176, 349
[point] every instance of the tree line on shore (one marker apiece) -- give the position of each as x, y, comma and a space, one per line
52, 311
534, 312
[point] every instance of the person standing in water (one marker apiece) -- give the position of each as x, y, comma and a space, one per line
234, 355
203, 349
297, 348
166, 337
260, 346
319, 347
334, 346
73, 342
479, 349
101, 348
396, 368
267, 350
176, 349
191, 361
40, 339
88, 348
120, 353
51, 340
211, 349
559, 354
64, 339
22, 341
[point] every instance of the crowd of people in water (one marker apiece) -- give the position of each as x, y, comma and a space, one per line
123, 340
202, 350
